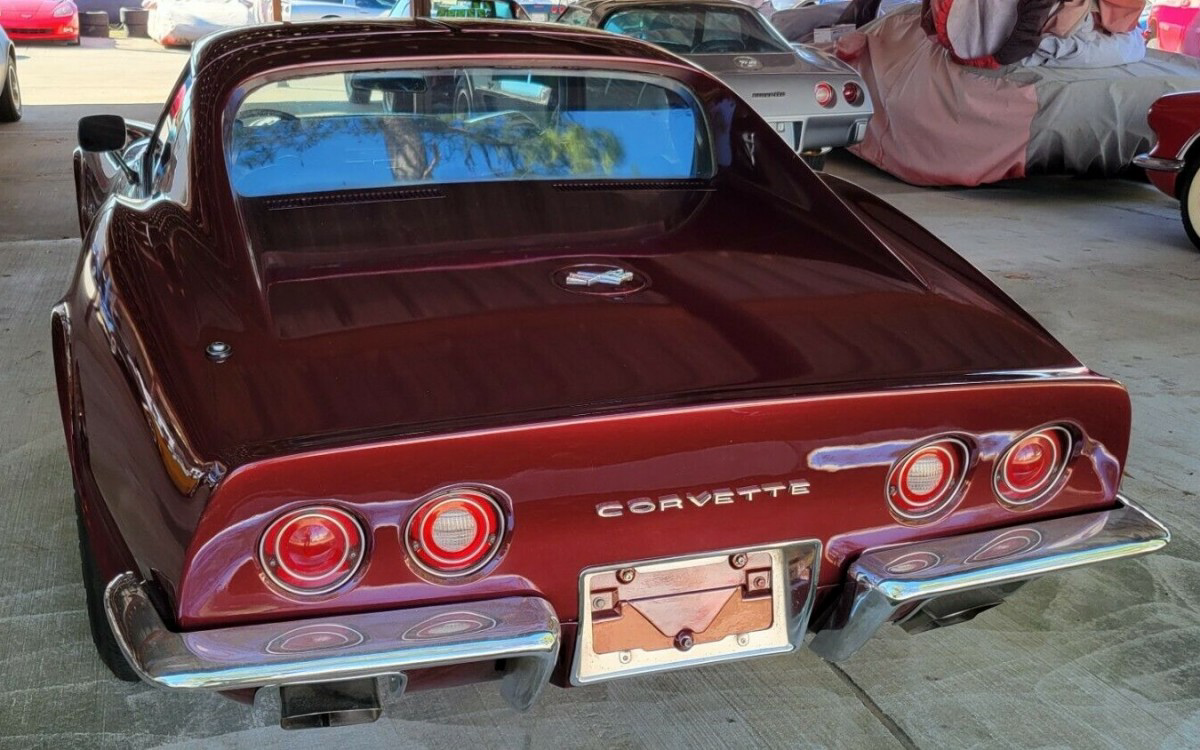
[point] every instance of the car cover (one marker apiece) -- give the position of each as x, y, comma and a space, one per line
181, 22
991, 33
937, 122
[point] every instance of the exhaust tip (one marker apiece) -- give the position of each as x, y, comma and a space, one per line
334, 704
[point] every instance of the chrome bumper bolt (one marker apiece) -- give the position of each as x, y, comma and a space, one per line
738, 560
626, 575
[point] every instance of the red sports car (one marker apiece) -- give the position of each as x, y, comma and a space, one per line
40, 20
1173, 162
1172, 27
566, 369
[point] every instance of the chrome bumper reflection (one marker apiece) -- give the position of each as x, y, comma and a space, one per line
523, 631
1158, 164
897, 583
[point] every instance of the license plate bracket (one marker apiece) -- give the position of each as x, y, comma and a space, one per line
663, 614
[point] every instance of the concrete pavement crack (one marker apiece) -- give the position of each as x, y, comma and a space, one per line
869, 703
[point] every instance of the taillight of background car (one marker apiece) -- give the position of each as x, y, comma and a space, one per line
924, 483
456, 533
825, 94
853, 93
1029, 469
312, 550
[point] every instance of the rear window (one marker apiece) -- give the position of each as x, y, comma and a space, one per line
697, 29
384, 128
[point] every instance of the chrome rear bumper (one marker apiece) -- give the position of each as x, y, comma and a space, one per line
1158, 164
926, 584
523, 631
948, 580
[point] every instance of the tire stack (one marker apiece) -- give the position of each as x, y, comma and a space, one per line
134, 20
93, 23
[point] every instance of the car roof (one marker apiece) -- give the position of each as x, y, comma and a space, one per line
417, 38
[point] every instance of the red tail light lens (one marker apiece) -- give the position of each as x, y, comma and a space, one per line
853, 93
1031, 467
312, 550
923, 484
825, 94
455, 533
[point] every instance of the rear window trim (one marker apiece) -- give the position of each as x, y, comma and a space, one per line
632, 67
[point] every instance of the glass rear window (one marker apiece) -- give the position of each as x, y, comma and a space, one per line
697, 30
383, 128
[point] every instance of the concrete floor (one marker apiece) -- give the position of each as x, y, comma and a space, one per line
1102, 658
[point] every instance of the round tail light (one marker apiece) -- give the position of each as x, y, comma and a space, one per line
852, 93
1031, 467
312, 550
455, 533
926, 480
825, 94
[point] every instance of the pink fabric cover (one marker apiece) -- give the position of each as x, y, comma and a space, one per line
940, 123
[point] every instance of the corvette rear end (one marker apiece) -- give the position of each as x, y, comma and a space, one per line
559, 368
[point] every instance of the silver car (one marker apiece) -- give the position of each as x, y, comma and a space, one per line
815, 101
10, 87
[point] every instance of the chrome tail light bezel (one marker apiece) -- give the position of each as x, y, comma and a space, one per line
486, 497
1066, 449
962, 457
354, 558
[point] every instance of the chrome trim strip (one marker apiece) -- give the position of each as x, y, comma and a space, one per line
1187, 146
523, 630
877, 588
1158, 164
796, 566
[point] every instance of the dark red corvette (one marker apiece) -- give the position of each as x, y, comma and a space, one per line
562, 367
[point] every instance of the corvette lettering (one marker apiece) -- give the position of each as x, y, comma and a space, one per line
723, 496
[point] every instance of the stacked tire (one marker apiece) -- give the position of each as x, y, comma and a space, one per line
93, 23
135, 20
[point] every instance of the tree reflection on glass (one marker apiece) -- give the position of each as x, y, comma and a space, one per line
286, 155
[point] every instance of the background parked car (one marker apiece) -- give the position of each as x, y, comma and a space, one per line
10, 88
316, 10
813, 100
40, 20
1172, 27
544, 11
1175, 159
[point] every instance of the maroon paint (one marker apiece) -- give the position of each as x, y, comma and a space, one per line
784, 316
1174, 118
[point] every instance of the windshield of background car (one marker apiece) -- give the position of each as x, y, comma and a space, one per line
383, 128
697, 30
501, 9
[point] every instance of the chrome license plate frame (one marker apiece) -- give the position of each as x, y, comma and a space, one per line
793, 572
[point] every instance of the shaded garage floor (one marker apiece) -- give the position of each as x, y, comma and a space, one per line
1104, 658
